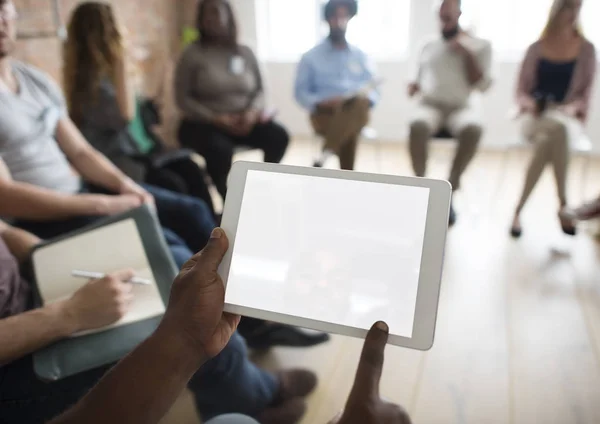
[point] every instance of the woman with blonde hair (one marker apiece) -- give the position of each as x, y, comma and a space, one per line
99, 86
553, 95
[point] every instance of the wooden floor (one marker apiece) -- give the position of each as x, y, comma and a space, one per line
518, 331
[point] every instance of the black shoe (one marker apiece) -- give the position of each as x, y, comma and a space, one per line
451, 216
272, 335
516, 232
318, 164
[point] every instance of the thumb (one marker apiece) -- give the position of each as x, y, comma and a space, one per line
370, 366
212, 255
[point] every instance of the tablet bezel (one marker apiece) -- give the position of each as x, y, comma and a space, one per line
436, 228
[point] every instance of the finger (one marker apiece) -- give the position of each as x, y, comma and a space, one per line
370, 366
232, 320
123, 275
212, 255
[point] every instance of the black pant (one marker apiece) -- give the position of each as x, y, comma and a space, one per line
217, 146
182, 176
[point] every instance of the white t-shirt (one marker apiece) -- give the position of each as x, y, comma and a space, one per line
28, 121
442, 73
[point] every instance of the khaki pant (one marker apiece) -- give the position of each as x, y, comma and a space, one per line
551, 134
464, 123
341, 128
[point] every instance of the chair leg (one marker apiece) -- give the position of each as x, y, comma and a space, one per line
503, 172
584, 175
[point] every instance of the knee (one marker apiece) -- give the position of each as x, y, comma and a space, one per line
419, 130
279, 136
557, 131
470, 134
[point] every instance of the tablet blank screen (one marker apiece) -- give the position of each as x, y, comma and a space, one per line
339, 251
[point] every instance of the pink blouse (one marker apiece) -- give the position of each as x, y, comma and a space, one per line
580, 90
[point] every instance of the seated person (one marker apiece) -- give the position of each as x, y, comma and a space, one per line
553, 95
152, 377
450, 67
40, 192
227, 383
102, 103
330, 82
219, 90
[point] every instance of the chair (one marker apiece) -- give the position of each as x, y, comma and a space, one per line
368, 134
582, 147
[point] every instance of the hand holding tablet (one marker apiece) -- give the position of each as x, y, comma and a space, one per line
335, 250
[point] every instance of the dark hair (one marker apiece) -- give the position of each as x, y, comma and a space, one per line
232, 30
332, 5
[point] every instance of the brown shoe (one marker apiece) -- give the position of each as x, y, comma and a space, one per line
295, 383
289, 412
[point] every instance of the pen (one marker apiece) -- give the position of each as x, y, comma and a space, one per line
97, 275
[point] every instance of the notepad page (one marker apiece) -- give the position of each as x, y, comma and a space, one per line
106, 250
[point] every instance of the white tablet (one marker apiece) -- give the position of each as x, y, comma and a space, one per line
335, 251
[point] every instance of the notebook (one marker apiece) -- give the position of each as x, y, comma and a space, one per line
105, 250
132, 240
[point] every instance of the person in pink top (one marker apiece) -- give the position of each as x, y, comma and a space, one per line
553, 96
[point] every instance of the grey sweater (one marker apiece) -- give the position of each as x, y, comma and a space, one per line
213, 80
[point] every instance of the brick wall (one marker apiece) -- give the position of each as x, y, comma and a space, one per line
152, 27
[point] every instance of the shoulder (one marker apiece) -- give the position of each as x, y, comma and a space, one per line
588, 48
316, 51
5, 255
357, 51
33, 74
192, 53
246, 51
534, 49
40, 79
429, 42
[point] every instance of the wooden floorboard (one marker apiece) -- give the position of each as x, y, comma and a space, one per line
518, 335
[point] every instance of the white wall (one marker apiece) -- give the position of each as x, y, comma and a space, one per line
391, 115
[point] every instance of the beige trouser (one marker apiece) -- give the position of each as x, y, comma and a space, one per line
551, 135
341, 128
463, 123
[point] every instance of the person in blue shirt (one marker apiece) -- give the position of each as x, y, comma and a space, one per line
336, 83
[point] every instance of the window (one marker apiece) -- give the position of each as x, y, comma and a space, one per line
288, 28
512, 25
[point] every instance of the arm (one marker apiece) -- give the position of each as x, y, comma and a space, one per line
19, 242
582, 103
92, 166
25, 333
477, 68
258, 102
304, 86
124, 90
526, 79
484, 61
371, 75
414, 87
96, 304
143, 386
184, 93
27, 201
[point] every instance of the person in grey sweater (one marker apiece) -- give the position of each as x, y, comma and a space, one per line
219, 90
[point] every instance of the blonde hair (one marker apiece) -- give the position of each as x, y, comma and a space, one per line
93, 47
555, 9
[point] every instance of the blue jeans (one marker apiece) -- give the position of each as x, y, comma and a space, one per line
229, 383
